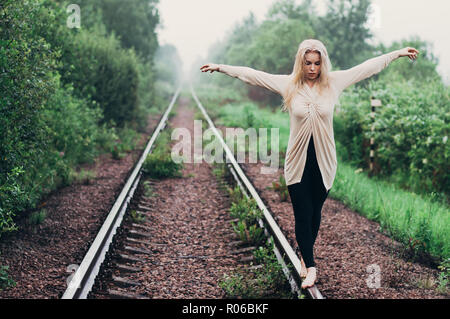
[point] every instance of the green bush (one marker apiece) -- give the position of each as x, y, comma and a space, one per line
5, 280
25, 89
62, 91
246, 210
411, 132
159, 163
267, 281
105, 73
72, 126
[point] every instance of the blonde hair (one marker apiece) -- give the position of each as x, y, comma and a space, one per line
298, 77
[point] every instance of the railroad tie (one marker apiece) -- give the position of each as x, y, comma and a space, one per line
138, 241
144, 208
128, 258
137, 250
136, 233
247, 259
243, 250
116, 294
123, 282
143, 227
126, 268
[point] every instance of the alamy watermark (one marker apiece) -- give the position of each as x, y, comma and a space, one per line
74, 19
213, 152
374, 279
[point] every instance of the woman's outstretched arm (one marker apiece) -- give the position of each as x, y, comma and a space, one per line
274, 82
345, 78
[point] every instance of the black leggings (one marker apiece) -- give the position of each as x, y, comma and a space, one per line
307, 199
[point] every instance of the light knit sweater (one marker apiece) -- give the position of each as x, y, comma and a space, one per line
311, 112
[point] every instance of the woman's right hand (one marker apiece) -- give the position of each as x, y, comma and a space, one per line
210, 67
409, 52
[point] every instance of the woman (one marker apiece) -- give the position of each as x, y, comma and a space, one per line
309, 95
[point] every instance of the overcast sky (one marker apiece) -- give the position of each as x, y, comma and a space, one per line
194, 25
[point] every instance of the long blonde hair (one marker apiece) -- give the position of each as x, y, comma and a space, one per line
298, 77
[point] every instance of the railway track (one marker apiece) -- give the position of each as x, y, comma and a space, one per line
121, 248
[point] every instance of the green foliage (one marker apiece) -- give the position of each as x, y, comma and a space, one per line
159, 163
140, 34
235, 194
26, 87
168, 64
418, 222
272, 53
421, 70
5, 280
136, 217
64, 91
281, 188
267, 281
83, 176
11, 196
148, 190
249, 234
36, 218
246, 210
411, 132
344, 32
444, 276
72, 127
106, 73
272, 273
248, 215
289, 9
261, 47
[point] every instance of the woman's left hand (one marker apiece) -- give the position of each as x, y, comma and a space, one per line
409, 52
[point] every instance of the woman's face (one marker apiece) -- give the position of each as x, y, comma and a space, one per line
311, 65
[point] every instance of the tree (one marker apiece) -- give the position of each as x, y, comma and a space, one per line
134, 22
343, 30
423, 69
287, 9
168, 64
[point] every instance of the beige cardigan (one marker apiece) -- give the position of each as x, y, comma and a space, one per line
311, 113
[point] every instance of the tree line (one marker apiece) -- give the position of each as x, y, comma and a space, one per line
272, 44
69, 94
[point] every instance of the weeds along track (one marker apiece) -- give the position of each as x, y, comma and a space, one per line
176, 238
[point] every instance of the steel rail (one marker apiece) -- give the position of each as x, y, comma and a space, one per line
84, 277
279, 238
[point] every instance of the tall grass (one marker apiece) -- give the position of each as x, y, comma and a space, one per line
416, 221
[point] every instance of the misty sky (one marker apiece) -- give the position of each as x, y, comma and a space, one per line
194, 25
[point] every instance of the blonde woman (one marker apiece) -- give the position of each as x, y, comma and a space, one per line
309, 94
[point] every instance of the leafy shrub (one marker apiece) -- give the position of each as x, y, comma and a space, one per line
159, 163
281, 188
411, 132
249, 234
106, 73
246, 210
25, 88
267, 281
5, 280
49, 123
